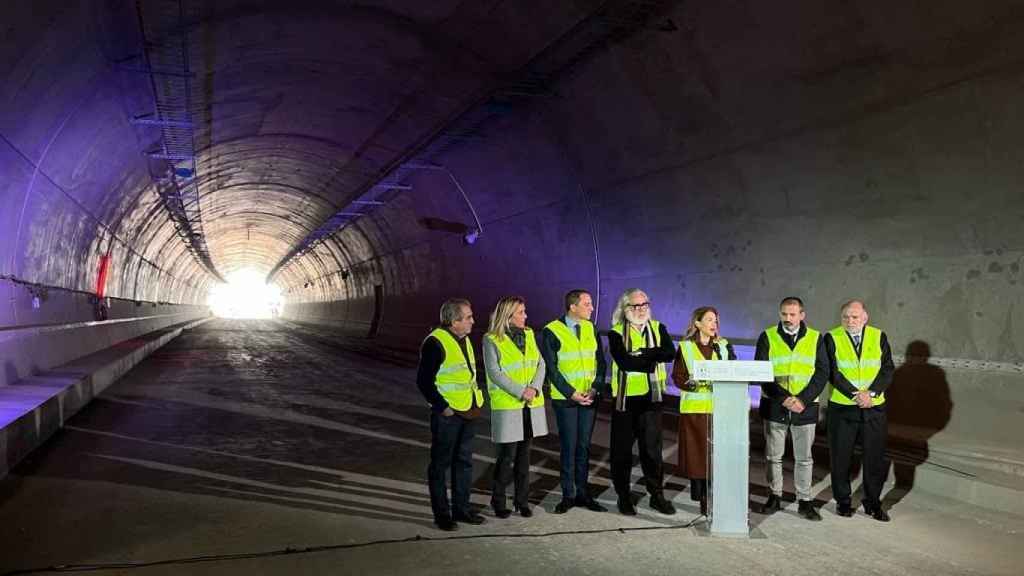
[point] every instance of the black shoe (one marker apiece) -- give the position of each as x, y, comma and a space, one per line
446, 524
807, 510
877, 513
703, 506
563, 506
590, 504
659, 503
502, 512
524, 510
473, 518
844, 510
772, 505
626, 506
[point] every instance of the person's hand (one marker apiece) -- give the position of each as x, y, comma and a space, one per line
529, 393
863, 399
580, 399
797, 405
448, 412
788, 402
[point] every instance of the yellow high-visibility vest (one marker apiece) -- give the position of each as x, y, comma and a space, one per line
699, 400
636, 382
519, 367
861, 371
455, 380
796, 365
577, 357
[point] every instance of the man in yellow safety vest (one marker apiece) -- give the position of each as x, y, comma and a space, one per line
639, 346
447, 379
861, 370
789, 404
575, 368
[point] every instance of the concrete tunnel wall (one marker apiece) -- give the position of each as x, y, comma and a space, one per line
73, 188
883, 168
826, 150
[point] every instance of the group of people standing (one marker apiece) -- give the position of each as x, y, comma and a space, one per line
854, 358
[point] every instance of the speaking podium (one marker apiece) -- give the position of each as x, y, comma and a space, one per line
729, 440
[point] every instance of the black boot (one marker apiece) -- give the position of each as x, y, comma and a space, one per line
772, 505
659, 503
807, 510
626, 505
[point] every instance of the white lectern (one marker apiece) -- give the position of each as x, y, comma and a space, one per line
729, 440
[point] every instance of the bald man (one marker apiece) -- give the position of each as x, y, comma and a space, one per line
861, 370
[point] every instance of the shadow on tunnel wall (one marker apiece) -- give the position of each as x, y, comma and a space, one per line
919, 406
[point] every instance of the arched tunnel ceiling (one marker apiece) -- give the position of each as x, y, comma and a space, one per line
295, 107
299, 106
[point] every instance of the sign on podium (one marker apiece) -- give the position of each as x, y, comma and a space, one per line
729, 440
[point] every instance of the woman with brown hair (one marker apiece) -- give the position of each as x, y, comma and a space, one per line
701, 342
515, 374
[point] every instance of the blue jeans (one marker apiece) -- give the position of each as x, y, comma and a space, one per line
575, 426
451, 449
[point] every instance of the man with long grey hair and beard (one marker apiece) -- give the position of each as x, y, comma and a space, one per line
639, 347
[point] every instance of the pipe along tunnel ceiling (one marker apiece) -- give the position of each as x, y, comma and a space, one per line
726, 153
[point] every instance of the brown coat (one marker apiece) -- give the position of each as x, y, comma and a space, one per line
693, 428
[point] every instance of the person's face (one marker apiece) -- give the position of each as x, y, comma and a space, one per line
582, 309
708, 324
638, 309
518, 318
854, 318
791, 316
463, 325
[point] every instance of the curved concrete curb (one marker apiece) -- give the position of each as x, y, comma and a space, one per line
36, 407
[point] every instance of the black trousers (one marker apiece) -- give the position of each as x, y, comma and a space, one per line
512, 463
639, 424
846, 426
451, 453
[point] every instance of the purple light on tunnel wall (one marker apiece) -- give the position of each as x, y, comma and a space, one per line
747, 353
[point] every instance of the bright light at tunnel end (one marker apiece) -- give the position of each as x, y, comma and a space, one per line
246, 295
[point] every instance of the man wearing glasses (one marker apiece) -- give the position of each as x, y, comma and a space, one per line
639, 347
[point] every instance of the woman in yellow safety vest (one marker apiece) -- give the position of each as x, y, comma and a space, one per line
701, 342
515, 374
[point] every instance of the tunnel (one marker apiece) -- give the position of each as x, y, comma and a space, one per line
370, 159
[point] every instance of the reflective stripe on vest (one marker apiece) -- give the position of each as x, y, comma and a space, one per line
636, 382
455, 380
797, 364
861, 371
699, 400
519, 367
576, 357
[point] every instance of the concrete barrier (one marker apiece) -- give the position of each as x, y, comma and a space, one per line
34, 408
26, 351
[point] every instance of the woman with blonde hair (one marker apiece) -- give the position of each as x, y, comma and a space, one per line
701, 342
515, 374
